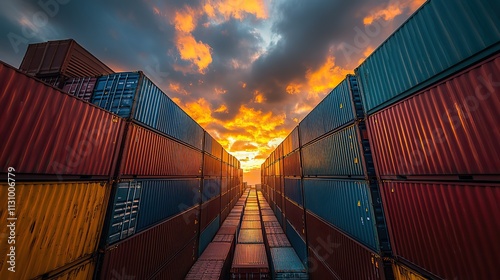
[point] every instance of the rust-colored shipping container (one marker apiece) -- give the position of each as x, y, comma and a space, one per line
448, 229
291, 164
277, 240
402, 272
80, 271
345, 257
148, 153
146, 252
178, 267
211, 166
318, 270
295, 215
48, 132
57, 224
209, 211
250, 262
65, 57
448, 129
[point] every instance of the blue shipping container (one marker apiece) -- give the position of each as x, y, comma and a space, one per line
162, 199
441, 38
208, 234
279, 215
333, 112
298, 244
293, 190
346, 205
338, 154
133, 95
211, 188
286, 264
123, 218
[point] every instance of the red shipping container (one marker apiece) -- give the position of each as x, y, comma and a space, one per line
177, 268
144, 253
291, 164
448, 229
47, 132
448, 129
209, 210
345, 257
80, 87
295, 215
211, 166
64, 57
147, 153
250, 262
318, 270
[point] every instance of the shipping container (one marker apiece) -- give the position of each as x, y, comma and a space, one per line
65, 57
317, 269
277, 240
273, 229
141, 255
212, 270
211, 188
229, 230
337, 155
228, 238
293, 190
177, 268
298, 244
211, 166
209, 211
402, 272
286, 264
291, 164
216, 251
346, 258
295, 215
269, 218
251, 225
81, 271
448, 229
57, 223
212, 146
251, 218
346, 205
208, 234
125, 209
447, 129
81, 87
429, 46
250, 236
250, 262
46, 132
147, 153
291, 142
333, 112
133, 95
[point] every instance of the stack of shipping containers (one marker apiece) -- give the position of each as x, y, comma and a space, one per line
131, 167
398, 170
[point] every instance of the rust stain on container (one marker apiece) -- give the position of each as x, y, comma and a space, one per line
83, 271
57, 224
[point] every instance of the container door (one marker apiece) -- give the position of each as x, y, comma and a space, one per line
125, 211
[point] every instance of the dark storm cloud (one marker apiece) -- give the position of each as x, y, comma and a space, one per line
307, 30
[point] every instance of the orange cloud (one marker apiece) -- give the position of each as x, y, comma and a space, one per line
176, 87
200, 111
324, 79
293, 88
222, 109
259, 97
225, 9
393, 10
185, 21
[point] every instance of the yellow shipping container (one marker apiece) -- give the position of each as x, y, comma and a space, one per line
404, 273
84, 271
57, 223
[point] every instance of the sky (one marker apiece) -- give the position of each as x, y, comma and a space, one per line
248, 71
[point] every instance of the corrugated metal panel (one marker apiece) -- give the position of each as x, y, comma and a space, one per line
146, 252
208, 234
66, 57
211, 188
82, 271
297, 242
335, 111
57, 223
345, 204
345, 257
293, 190
402, 272
133, 95
205, 270
295, 215
80, 87
291, 165
211, 166
231, 230
449, 229
434, 42
250, 236
250, 259
250, 225
216, 251
224, 238
338, 154
212, 146
178, 267
269, 218
251, 218
446, 129
123, 216
209, 211
318, 270
147, 153
39, 136
277, 240
162, 199
286, 264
